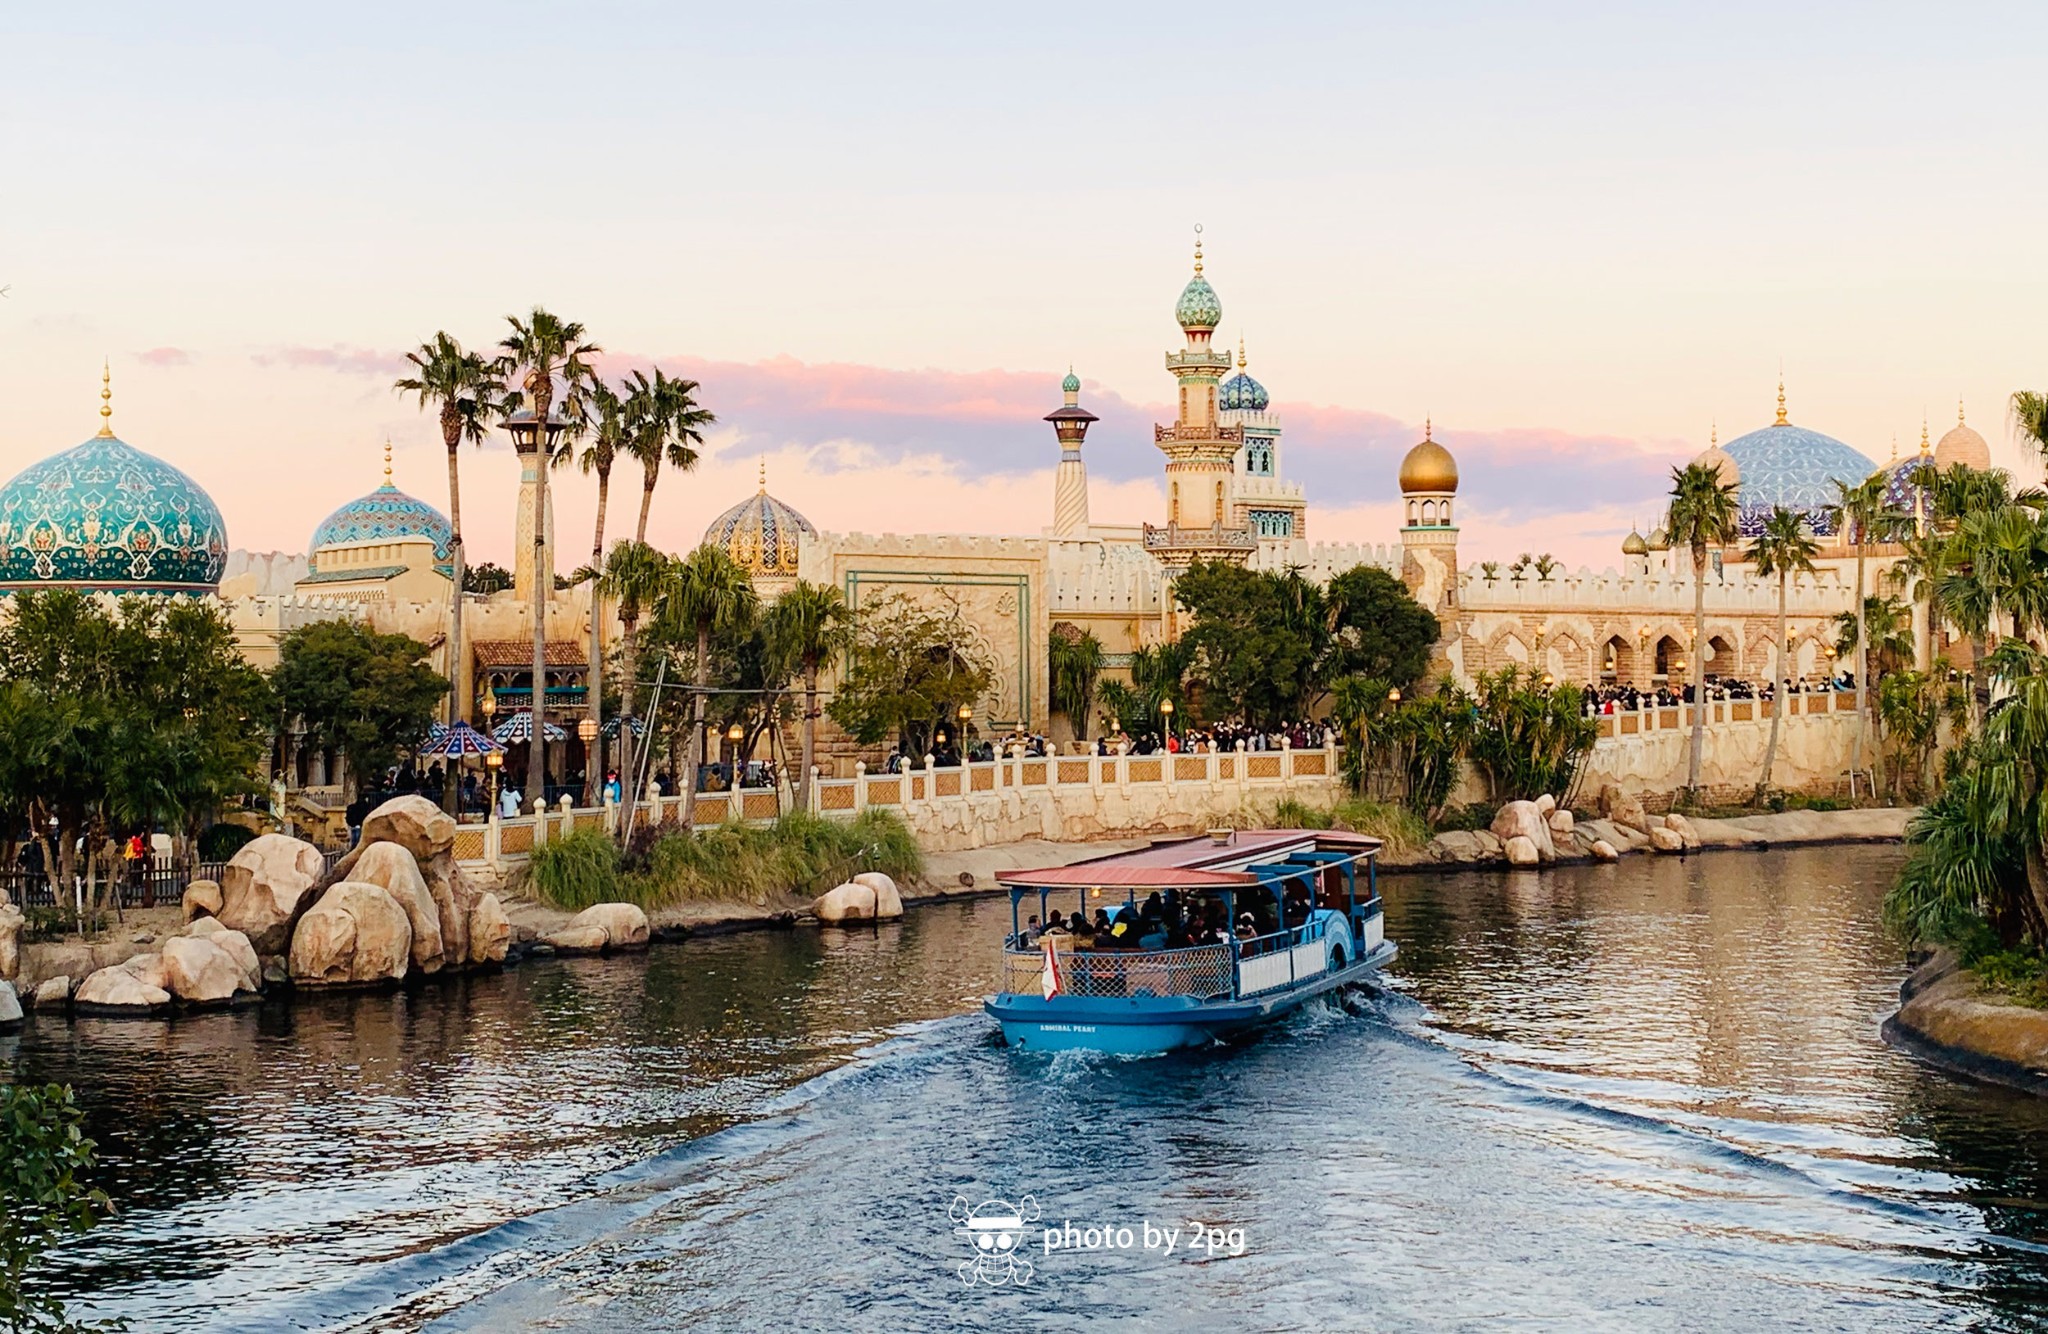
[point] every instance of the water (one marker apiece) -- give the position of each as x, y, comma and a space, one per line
1640, 1097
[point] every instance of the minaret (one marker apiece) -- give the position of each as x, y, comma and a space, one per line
523, 551
1070, 483
1200, 451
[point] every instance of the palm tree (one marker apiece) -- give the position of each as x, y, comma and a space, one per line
635, 575
1859, 512
668, 426
1928, 559
2030, 419
1784, 548
807, 625
708, 592
607, 436
1074, 662
1702, 517
463, 389
541, 349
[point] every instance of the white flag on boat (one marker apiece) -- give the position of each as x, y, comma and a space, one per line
1050, 981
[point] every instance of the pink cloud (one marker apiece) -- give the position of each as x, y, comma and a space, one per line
165, 356
345, 360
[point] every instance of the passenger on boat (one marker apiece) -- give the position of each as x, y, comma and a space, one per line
1078, 926
1247, 926
1031, 929
1101, 923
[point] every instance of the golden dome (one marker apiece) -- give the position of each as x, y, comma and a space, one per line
1428, 467
1962, 445
1634, 545
762, 534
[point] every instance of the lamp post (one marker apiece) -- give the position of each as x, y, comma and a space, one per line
965, 715
495, 762
734, 735
535, 439
1166, 712
587, 730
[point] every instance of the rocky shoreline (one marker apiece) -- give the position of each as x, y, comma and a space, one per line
1949, 1018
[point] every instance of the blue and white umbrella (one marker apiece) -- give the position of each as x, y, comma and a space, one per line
458, 742
611, 727
519, 727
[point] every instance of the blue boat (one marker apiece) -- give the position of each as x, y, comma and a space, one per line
1298, 917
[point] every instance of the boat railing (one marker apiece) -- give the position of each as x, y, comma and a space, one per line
1284, 957
1201, 971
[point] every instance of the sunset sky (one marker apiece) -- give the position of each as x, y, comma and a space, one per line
1575, 236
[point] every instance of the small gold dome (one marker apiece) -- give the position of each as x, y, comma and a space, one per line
1634, 545
1429, 467
1659, 540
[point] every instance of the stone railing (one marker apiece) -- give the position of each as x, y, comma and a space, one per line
1678, 717
961, 806
1175, 538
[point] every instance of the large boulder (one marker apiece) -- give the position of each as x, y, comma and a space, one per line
148, 969
1545, 804
201, 972
1522, 851
390, 865
888, 900
1666, 840
1603, 851
356, 934
455, 898
588, 939
118, 990
202, 899
625, 926
53, 991
846, 903
10, 1006
1682, 827
263, 885
10, 941
1461, 846
490, 931
413, 823
1560, 822
1522, 819
237, 946
1623, 809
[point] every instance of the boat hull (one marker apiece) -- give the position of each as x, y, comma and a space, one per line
1149, 1025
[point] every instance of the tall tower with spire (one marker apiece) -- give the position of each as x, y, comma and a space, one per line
1200, 450
1070, 484
1261, 497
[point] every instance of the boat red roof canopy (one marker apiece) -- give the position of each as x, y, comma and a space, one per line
1193, 863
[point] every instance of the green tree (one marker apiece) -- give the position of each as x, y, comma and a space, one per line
1258, 640
808, 625
542, 349
635, 576
667, 427
364, 695
1784, 548
1073, 666
607, 436
1859, 513
1378, 629
1528, 739
1888, 624
911, 665
465, 392
486, 578
707, 592
44, 1156
1701, 517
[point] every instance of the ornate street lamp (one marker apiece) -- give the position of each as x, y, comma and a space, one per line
734, 735
495, 762
1166, 712
965, 714
587, 732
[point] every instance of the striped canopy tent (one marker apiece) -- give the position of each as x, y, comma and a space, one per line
458, 742
611, 727
519, 727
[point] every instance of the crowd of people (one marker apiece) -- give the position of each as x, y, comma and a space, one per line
1169, 921
1603, 700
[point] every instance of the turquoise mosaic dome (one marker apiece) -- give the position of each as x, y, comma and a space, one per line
1199, 306
1241, 393
386, 515
1072, 384
761, 534
1791, 466
107, 516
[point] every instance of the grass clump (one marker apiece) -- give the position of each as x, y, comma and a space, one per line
798, 856
1399, 828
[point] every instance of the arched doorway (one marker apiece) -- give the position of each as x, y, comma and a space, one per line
1617, 661
1670, 660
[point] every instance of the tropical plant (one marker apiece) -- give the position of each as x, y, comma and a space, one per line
1528, 739
707, 592
1912, 708
666, 427
1116, 701
1546, 565
1489, 570
541, 350
1784, 548
634, 576
44, 1157
2029, 412
806, 626
465, 392
1406, 750
1377, 628
912, 663
1888, 623
1073, 661
486, 578
1701, 517
1859, 512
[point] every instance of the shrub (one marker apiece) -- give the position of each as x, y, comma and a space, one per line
43, 1154
1399, 828
219, 842
577, 871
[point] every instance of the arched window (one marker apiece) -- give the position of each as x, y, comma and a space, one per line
1428, 512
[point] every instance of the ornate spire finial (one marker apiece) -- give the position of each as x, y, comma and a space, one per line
1895, 446
387, 460
106, 400
1713, 434
1240, 351
1426, 428
764, 474
1198, 247
1781, 397
1924, 446
1959, 412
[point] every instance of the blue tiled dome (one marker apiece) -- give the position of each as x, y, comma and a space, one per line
761, 535
105, 515
385, 515
1900, 488
1791, 466
1072, 384
1242, 393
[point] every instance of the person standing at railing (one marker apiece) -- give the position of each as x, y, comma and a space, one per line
508, 802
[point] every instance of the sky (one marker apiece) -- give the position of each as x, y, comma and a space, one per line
1575, 237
